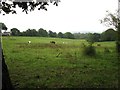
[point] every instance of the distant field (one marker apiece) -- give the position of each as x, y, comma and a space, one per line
61, 65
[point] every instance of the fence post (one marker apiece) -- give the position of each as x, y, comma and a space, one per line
0, 57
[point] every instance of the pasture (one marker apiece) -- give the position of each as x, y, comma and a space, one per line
41, 64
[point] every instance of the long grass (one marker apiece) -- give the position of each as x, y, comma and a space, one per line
45, 65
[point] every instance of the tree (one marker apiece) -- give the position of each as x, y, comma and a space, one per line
15, 32
89, 49
113, 20
90, 38
80, 35
3, 26
31, 32
109, 35
69, 35
60, 35
42, 33
25, 5
52, 34
96, 37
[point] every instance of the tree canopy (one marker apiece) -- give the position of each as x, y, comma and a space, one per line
69, 35
15, 32
25, 5
114, 20
111, 19
3, 26
109, 35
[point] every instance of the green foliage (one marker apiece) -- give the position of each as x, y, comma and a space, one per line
31, 32
26, 6
52, 34
111, 19
80, 35
96, 37
69, 35
3, 26
15, 32
60, 35
106, 50
118, 40
93, 37
90, 38
109, 35
114, 20
42, 33
89, 50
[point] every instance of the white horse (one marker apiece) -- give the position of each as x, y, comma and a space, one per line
29, 41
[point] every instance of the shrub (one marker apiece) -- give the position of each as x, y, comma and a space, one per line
106, 50
89, 50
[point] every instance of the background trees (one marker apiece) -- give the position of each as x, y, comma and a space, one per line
31, 32
52, 34
60, 35
69, 35
15, 32
113, 19
109, 35
42, 33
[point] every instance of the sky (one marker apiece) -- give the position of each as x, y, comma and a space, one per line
69, 16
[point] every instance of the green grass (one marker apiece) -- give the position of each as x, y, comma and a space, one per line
44, 65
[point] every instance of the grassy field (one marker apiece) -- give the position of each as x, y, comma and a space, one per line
45, 65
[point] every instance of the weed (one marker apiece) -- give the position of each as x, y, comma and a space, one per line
89, 50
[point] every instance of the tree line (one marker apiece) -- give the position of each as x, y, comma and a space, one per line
41, 33
108, 35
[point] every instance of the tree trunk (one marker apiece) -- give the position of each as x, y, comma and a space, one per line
118, 50
118, 39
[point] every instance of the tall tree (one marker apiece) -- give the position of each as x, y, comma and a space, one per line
69, 35
96, 37
52, 34
25, 5
60, 35
15, 32
90, 38
3, 26
113, 19
42, 32
109, 35
31, 32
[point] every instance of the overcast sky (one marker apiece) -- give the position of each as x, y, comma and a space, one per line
69, 16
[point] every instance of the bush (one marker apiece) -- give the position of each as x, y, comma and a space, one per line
106, 50
89, 50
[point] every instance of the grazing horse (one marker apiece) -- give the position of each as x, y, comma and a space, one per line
29, 41
52, 42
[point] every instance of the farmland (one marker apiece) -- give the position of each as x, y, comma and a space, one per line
41, 64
